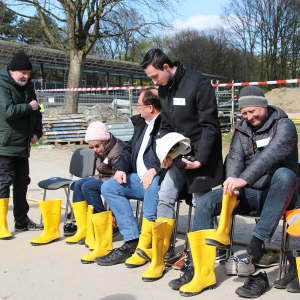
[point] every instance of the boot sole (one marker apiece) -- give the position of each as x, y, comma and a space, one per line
150, 279
217, 244
6, 238
71, 243
142, 254
134, 266
111, 263
86, 262
40, 244
252, 296
187, 294
28, 229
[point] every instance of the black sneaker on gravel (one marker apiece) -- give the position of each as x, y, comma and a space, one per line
183, 279
28, 225
254, 286
70, 229
117, 256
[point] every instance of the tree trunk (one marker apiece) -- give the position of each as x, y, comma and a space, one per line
77, 62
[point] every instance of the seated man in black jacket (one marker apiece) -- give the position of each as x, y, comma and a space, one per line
136, 177
261, 169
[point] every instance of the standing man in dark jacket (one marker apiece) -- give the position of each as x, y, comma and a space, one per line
20, 125
189, 107
261, 169
137, 174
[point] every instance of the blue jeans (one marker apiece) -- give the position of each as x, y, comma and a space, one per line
117, 195
89, 189
272, 201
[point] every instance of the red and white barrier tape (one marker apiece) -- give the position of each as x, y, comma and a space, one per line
96, 89
145, 87
257, 83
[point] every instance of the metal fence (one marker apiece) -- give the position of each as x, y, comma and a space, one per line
118, 105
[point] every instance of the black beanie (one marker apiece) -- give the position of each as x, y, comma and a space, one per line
252, 96
20, 62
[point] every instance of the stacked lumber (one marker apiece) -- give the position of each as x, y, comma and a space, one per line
64, 129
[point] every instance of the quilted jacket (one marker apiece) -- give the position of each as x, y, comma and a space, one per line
257, 165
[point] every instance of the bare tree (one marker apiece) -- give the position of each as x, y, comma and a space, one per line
82, 22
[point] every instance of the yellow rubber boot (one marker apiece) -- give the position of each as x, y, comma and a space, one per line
80, 211
204, 258
90, 241
103, 234
157, 265
221, 238
4, 233
51, 212
144, 242
146, 253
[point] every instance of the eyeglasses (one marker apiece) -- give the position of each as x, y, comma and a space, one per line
101, 144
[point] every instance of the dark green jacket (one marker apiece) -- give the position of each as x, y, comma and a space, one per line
18, 122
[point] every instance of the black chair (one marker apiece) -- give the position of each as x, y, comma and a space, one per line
82, 165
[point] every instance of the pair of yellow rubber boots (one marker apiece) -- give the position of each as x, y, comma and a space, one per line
203, 246
51, 212
95, 228
159, 233
4, 233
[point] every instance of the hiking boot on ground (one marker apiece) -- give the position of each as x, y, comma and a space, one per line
292, 272
185, 266
28, 225
254, 286
184, 278
293, 287
118, 255
70, 229
170, 262
180, 262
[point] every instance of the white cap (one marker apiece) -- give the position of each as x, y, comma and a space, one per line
172, 144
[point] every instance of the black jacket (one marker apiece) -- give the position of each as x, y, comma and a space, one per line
18, 122
258, 165
197, 120
124, 163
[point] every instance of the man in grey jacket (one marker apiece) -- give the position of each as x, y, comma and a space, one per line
261, 169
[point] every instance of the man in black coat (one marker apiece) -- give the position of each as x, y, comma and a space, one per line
137, 174
189, 107
20, 125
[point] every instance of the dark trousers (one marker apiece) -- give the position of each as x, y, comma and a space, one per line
15, 171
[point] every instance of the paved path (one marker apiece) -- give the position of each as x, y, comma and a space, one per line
55, 272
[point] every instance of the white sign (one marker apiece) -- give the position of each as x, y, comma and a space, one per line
51, 100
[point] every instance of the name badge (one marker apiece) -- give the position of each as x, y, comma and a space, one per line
262, 143
105, 160
179, 101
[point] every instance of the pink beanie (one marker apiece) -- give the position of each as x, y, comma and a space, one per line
97, 131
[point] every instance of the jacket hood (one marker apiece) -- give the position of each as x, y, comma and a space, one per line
277, 114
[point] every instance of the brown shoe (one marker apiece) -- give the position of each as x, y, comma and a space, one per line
170, 262
178, 265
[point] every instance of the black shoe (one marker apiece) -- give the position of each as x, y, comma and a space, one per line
220, 255
70, 229
28, 225
184, 279
116, 231
81, 242
170, 253
185, 266
254, 286
117, 256
293, 287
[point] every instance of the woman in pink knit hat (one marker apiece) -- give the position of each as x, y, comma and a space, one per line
107, 150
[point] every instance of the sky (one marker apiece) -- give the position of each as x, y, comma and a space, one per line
199, 14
